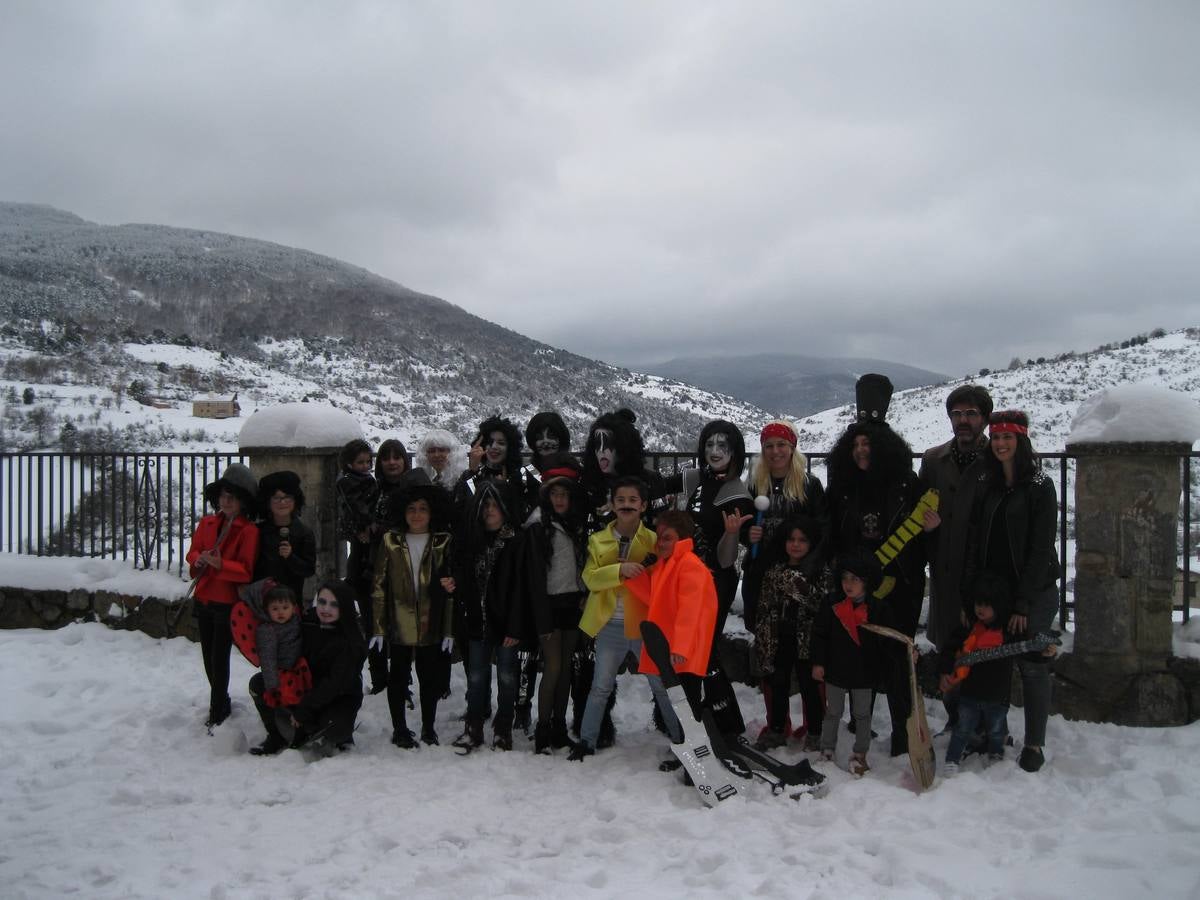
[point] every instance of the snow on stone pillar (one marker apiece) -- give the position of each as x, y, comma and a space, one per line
305, 438
1128, 441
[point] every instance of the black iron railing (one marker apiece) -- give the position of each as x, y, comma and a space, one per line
129, 506
144, 506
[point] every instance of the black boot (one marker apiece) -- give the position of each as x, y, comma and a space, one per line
541, 738
218, 713
501, 737
580, 750
608, 731
558, 734
377, 666
272, 745
471, 737
429, 736
403, 738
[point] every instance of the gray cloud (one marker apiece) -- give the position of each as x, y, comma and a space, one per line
946, 185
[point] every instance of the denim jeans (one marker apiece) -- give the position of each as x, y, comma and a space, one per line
611, 648
479, 682
971, 714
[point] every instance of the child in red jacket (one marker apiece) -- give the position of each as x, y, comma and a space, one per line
222, 556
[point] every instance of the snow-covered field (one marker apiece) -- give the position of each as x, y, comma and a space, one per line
111, 788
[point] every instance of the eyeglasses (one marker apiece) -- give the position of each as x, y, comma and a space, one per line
283, 498
958, 414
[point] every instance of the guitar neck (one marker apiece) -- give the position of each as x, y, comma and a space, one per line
1040, 642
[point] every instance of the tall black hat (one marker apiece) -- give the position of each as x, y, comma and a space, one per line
872, 394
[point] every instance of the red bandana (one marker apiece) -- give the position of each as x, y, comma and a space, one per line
1011, 427
851, 616
778, 430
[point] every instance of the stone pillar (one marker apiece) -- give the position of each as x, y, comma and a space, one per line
1126, 521
318, 470
305, 438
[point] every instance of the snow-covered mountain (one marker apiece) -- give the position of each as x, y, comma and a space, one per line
1050, 392
109, 332
789, 383
104, 321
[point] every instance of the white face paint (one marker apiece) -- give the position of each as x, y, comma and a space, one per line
496, 448
717, 452
545, 443
606, 450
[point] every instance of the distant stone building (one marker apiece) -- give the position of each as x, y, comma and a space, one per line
210, 407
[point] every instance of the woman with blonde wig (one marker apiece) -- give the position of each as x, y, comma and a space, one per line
781, 475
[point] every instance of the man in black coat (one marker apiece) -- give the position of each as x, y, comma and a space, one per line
955, 469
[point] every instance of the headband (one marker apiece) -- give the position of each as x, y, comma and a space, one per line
778, 430
1009, 427
563, 472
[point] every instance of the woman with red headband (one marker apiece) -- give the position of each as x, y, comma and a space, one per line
1013, 530
781, 475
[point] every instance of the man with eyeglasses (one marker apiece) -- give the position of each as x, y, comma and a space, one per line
954, 469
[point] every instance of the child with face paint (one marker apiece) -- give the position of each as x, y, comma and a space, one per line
490, 620
554, 546
795, 584
413, 592
612, 615
332, 646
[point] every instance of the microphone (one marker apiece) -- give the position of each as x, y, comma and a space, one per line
762, 503
649, 560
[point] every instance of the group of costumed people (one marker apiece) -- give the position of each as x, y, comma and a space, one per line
544, 571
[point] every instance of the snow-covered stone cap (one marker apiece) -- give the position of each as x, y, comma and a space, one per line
313, 425
1137, 413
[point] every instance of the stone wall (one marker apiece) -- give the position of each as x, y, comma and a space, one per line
39, 608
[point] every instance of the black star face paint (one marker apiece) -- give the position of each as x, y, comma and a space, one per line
496, 449
717, 452
606, 451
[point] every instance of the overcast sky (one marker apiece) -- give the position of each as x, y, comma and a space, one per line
941, 184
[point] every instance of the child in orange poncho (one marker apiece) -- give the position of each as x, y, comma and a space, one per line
682, 599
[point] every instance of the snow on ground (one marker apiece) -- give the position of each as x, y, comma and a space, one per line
113, 789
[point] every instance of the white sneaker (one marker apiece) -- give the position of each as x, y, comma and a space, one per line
949, 770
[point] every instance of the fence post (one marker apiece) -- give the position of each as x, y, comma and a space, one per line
305, 438
1126, 518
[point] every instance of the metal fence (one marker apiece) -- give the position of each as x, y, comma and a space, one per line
141, 507
144, 506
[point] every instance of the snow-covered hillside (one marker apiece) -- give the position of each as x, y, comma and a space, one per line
1050, 392
169, 376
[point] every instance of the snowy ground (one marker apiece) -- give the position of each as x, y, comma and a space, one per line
112, 788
